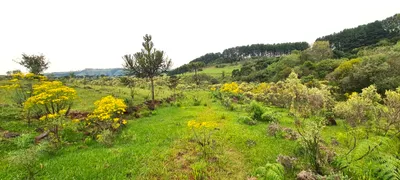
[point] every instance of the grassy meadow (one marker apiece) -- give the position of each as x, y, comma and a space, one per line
215, 71
157, 144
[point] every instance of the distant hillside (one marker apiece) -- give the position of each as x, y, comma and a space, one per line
91, 72
239, 53
365, 35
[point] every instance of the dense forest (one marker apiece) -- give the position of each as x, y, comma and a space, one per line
348, 40
236, 54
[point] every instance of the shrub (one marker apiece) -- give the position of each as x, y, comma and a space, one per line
50, 98
130, 106
271, 171
359, 108
21, 86
256, 110
105, 138
214, 81
269, 117
203, 131
288, 162
310, 140
273, 129
232, 88
247, 120
227, 103
107, 114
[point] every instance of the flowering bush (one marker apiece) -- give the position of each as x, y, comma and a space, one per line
107, 114
203, 128
231, 88
359, 108
202, 131
21, 86
261, 88
50, 98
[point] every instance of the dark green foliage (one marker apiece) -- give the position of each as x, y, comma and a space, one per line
379, 152
238, 53
173, 82
320, 50
208, 58
269, 117
262, 50
256, 110
388, 167
324, 67
196, 66
253, 71
148, 63
365, 35
36, 64
247, 120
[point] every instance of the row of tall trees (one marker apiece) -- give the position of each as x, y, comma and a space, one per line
261, 50
365, 35
239, 53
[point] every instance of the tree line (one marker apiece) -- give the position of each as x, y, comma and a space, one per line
239, 53
349, 40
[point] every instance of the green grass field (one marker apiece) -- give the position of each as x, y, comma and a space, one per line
217, 72
156, 147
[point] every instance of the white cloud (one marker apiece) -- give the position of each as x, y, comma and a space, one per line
79, 34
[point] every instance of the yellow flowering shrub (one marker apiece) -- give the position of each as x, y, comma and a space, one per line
203, 128
20, 86
107, 113
231, 88
202, 131
260, 88
50, 98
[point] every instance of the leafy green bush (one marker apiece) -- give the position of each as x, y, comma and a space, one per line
271, 171
311, 142
268, 117
256, 110
247, 120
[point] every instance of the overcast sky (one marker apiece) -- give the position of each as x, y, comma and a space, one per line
78, 34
